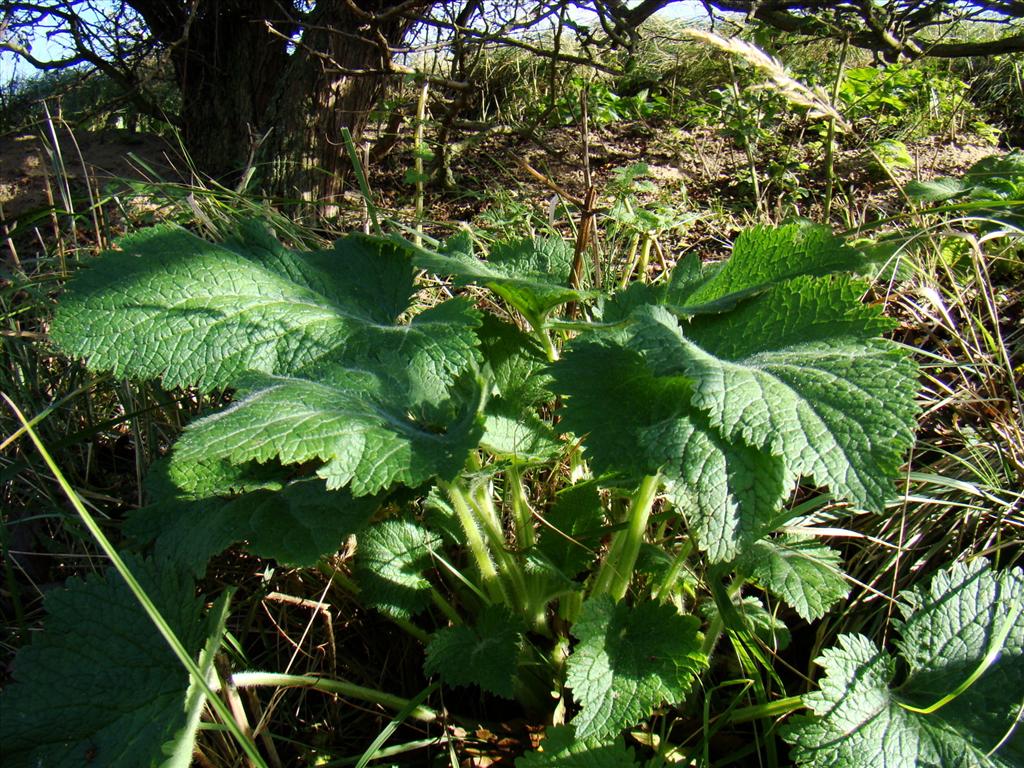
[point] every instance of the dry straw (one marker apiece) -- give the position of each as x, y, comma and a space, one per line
814, 99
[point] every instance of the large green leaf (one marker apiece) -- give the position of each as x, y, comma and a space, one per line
169, 304
516, 363
561, 749
628, 661
962, 642
762, 256
801, 572
801, 372
484, 654
99, 685
530, 274
788, 377
637, 423
295, 525
360, 424
391, 558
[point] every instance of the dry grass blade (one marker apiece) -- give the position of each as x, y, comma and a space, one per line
814, 99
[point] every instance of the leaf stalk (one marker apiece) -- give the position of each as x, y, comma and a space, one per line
474, 538
327, 685
616, 571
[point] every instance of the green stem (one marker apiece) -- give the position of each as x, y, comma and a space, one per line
327, 685
616, 571
748, 146
523, 515
830, 140
627, 272
645, 258
544, 336
771, 709
569, 606
724, 599
364, 185
444, 606
672, 576
421, 114
477, 547
508, 565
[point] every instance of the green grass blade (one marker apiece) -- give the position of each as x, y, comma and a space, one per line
196, 674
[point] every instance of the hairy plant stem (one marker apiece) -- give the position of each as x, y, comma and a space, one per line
502, 575
521, 512
509, 569
616, 571
569, 606
327, 685
723, 599
672, 576
627, 272
478, 548
544, 336
645, 258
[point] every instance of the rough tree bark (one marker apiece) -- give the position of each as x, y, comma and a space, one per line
264, 84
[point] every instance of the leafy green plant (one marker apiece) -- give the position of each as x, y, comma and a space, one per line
605, 106
637, 223
992, 188
901, 100
688, 413
957, 704
51, 714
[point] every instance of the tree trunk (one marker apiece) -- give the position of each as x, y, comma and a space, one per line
337, 76
262, 87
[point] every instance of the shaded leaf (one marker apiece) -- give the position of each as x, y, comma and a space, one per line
485, 654
574, 529
517, 364
99, 685
295, 526
390, 561
629, 660
766, 627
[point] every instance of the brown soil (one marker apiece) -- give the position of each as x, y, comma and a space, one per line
31, 176
696, 171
